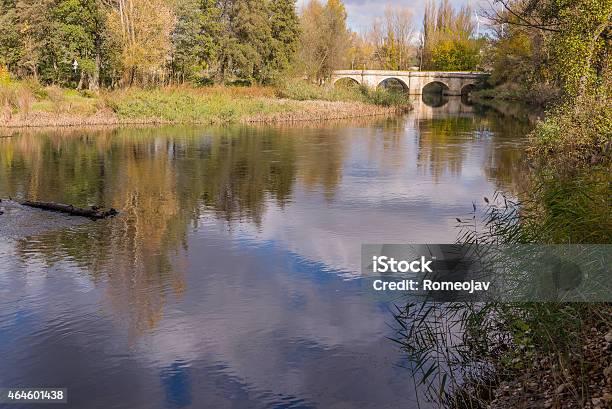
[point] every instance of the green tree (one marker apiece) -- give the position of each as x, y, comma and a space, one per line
570, 41
285, 27
455, 55
77, 31
245, 41
194, 38
11, 46
33, 23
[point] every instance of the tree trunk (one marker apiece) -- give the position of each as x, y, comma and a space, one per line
92, 213
94, 80
81, 80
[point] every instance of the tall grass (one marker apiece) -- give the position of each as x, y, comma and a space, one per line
25, 97
303, 90
461, 351
183, 105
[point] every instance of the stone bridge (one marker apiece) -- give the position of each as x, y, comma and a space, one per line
452, 83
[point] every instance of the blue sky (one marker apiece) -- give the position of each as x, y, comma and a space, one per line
361, 13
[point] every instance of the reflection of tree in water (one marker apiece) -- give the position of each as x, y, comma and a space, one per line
386, 144
319, 159
161, 180
130, 254
239, 170
440, 152
505, 163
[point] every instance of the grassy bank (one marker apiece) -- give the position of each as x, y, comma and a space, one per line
28, 104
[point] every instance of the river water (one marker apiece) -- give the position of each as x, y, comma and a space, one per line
231, 277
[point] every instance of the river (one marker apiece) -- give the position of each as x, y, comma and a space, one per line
231, 277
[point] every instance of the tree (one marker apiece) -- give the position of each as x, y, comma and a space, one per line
571, 38
125, 42
285, 27
245, 40
391, 39
325, 38
142, 29
448, 42
455, 55
11, 46
32, 24
194, 38
77, 30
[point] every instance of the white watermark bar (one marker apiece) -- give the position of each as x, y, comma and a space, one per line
33, 395
507, 273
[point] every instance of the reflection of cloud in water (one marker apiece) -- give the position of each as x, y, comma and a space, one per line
241, 319
400, 206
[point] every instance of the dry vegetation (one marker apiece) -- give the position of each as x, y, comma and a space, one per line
28, 104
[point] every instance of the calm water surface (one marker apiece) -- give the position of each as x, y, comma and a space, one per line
231, 279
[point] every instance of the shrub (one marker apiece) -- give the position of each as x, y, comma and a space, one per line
299, 90
5, 76
8, 96
25, 99
575, 134
204, 82
35, 88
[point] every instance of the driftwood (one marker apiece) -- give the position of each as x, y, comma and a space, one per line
92, 213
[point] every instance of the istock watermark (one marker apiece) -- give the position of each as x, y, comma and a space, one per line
516, 273
383, 264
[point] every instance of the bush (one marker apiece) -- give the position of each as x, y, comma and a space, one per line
25, 99
299, 90
184, 105
204, 82
8, 96
16, 96
36, 88
5, 76
575, 134
536, 94
239, 83
386, 98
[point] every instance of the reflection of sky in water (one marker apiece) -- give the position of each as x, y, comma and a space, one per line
239, 313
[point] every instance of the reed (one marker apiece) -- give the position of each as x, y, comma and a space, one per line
466, 355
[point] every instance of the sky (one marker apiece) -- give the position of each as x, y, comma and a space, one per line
361, 13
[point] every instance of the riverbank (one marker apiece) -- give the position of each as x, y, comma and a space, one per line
31, 105
539, 96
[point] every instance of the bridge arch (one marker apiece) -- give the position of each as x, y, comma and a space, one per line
345, 79
394, 83
436, 87
467, 88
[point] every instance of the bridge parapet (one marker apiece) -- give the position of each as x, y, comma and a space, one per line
414, 81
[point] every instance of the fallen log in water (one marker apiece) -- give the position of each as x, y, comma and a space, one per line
92, 213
